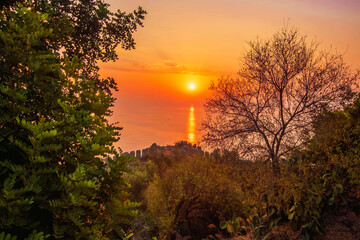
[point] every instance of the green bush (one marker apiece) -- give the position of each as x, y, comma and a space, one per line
191, 195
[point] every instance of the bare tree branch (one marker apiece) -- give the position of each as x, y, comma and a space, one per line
269, 107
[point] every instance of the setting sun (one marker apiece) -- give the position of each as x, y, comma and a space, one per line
192, 86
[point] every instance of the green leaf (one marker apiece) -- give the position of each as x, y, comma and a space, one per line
223, 224
291, 215
4, 236
308, 225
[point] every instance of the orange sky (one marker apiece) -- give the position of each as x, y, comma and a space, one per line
197, 41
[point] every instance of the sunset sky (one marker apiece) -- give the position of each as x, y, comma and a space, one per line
187, 42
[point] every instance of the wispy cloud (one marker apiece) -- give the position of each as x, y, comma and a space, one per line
165, 66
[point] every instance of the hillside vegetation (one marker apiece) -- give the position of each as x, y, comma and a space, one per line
187, 193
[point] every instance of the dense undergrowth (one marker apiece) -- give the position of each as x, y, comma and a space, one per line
188, 193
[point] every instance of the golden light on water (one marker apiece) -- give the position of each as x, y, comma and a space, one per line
191, 133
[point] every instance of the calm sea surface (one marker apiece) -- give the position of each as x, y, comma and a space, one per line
144, 125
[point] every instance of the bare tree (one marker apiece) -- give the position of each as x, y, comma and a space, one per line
267, 109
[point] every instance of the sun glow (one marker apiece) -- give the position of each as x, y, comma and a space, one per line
192, 86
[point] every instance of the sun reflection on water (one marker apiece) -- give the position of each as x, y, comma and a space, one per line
191, 134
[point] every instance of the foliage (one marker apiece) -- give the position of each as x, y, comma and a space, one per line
313, 181
244, 197
302, 195
336, 143
182, 191
315, 191
140, 174
56, 175
95, 31
260, 226
87, 31
4, 236
331, 162
32, 236
234, 226
191, 195
266, 110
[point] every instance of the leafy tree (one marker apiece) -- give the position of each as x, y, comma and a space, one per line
54, 134
94, 34
266, 111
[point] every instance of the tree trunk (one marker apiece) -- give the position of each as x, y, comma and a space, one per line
275, 166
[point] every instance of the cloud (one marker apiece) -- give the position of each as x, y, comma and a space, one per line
170, 63
164, 66
156, 66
